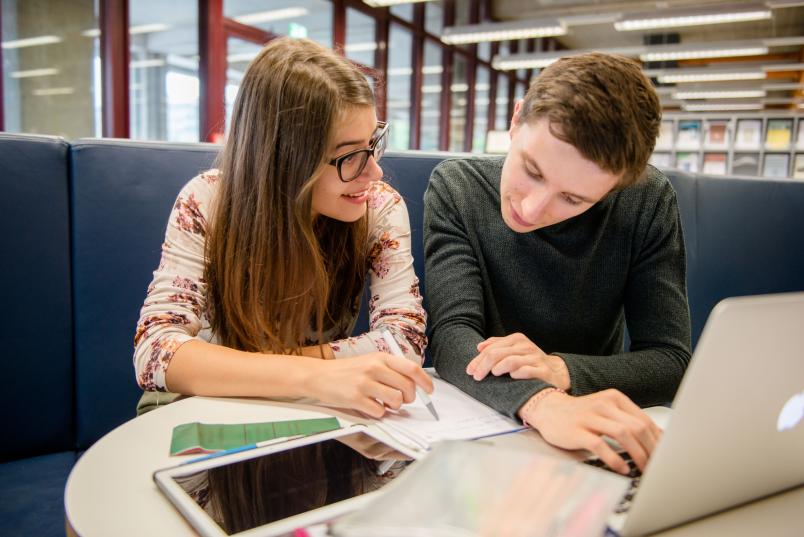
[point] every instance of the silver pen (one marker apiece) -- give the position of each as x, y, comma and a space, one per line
395, 350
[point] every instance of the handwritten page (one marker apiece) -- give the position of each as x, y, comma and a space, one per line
461, 418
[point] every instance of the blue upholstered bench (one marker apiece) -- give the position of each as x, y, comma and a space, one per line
82, 227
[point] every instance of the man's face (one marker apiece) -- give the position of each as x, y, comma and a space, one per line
545, 180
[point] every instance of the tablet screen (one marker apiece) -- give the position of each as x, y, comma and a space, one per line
243, 495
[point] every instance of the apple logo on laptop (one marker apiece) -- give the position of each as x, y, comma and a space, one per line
792, 412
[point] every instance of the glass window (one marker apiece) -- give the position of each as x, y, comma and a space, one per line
484, 51
51, 67
481, 109
433, 17
399, 77
462, 12
501, 123
403, 11
519, 92
297, 18
457, 114
360, 33
239, 55
163, 72
431, 97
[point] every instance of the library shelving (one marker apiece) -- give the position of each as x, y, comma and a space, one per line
767, 144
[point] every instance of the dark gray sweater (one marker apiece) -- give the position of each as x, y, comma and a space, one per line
569, 287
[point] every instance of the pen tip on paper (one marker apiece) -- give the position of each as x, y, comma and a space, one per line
432, 410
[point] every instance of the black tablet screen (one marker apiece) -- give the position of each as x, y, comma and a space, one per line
243, 495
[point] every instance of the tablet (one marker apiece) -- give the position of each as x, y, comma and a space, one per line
275, 489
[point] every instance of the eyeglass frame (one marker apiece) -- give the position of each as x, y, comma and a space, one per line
338, 161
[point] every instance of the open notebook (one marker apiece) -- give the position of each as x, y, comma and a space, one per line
461, 418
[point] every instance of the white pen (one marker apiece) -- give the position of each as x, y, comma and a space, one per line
395, 350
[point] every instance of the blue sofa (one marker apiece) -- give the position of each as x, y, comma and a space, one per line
83, 224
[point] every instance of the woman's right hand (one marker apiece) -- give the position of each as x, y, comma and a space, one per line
368, 383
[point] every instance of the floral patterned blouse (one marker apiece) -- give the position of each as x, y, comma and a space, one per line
175, 307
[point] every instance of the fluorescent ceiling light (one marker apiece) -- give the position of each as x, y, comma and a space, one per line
679, 18
719, 94
94, 32
459, 88
32, 41
502, 31
431, 89
386, 3
699, 53
275, 15
778, 67
721, 107
432, 70
505, 64
34, 73
241, 57
675, 76
144, 64
46, 92
148, 28
360, 47
783, 87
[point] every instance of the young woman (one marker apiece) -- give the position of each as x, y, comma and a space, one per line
265, 258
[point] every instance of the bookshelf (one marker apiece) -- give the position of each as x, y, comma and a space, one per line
768, 144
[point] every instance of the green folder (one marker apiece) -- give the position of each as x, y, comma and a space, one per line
189, 438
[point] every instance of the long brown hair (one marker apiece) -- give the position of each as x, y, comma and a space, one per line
273, 270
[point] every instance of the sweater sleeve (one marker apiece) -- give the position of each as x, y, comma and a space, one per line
455, 296
176, 298
657, 315
395, 303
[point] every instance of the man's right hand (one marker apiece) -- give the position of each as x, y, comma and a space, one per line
581, 422
363, 381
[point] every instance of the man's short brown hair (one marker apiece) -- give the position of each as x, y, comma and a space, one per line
604, 106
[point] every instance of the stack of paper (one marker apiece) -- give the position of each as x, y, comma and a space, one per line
461, 418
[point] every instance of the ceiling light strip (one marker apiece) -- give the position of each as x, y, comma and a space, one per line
721, 94
503, 31
32, 41
631, 23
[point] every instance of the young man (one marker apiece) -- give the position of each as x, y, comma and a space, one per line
536, 261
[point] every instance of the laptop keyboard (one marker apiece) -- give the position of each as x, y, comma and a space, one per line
633, 472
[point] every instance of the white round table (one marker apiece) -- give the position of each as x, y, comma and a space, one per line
110, 490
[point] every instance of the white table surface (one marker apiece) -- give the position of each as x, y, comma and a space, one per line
110, 490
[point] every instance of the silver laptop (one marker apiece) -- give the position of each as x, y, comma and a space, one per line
736, 432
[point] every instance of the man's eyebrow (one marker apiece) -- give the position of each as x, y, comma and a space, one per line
535, 166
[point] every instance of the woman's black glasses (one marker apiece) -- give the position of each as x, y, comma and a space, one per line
352, 164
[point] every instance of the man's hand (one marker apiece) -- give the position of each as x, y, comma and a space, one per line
519, 357
581, 422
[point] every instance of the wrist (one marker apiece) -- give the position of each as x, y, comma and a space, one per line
529, 411
562, 372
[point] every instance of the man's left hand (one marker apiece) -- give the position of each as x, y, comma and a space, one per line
519, 357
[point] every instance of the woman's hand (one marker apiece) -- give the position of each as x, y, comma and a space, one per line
368, 383
581, 422
519, 357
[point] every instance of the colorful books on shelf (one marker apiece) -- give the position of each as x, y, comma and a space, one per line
745, 164
800, 140
665, 139
798, 166
687, 161
689, 134
779, 134
715, 163
717, 135
775, 165
661, 160
749, 134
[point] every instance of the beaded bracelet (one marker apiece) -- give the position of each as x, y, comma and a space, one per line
535, 400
